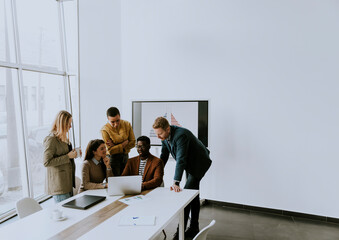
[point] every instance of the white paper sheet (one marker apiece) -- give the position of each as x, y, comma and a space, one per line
134, 199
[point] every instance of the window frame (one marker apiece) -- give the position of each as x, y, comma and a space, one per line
19, 98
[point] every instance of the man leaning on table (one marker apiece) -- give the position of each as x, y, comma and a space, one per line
190, 155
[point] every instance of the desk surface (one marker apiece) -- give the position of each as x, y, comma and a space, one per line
162, 203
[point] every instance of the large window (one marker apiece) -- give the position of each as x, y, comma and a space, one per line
38, 78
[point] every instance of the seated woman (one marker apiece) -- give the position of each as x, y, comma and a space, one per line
96, 167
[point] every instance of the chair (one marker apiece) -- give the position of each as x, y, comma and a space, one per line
77, 185
27, 206
203, 233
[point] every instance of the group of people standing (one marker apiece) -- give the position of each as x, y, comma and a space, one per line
109, 157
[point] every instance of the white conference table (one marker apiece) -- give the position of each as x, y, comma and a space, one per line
162, 203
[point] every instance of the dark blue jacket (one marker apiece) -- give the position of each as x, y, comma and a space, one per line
188, 151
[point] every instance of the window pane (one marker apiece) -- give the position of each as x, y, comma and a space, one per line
46, 98
39, 32
10, 175
7, 52
70, 13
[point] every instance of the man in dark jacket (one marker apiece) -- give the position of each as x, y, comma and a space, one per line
190, 155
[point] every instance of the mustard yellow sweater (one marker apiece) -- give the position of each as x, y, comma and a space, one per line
118, 136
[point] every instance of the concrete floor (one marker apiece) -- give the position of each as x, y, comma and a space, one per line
239, 224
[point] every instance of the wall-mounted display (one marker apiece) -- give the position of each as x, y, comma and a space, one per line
190, 114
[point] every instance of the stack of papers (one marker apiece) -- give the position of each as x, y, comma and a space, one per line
137, 221
134, 199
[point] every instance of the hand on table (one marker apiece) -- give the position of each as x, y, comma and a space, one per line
176, 188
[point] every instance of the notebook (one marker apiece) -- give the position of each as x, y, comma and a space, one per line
84, 202
124, 185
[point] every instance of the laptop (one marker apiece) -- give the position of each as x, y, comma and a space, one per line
124, 185
84, 202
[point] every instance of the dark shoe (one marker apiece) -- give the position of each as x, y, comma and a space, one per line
176, 235
191, 232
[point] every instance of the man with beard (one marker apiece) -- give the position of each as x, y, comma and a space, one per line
192, 157
148, 166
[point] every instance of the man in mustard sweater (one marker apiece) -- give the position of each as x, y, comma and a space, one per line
119, 138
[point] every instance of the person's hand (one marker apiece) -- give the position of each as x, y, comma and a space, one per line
72, 154
109, 143
124, 144
176, 188
107, 162
105, 185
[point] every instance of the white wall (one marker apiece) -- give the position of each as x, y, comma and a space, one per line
100, 64
270, 71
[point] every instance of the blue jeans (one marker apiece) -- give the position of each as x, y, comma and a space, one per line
61, 197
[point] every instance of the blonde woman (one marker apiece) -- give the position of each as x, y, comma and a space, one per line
59, 159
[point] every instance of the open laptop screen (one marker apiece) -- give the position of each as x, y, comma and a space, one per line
124, 185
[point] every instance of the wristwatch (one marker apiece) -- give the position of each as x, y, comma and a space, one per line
177, 183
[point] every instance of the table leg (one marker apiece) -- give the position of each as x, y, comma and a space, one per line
181, 225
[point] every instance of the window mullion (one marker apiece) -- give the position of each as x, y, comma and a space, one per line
65, 62
62, 38
22, 126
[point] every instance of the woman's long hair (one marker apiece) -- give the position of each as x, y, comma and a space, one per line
60, 126
92, 146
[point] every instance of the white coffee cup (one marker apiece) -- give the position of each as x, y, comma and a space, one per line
56, 214
78, 149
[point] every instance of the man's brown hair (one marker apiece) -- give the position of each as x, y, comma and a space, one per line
161, 122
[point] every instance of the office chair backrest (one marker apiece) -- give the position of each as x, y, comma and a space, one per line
77, 185
27, 206
203, 233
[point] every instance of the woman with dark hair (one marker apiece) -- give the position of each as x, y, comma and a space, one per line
96, 167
